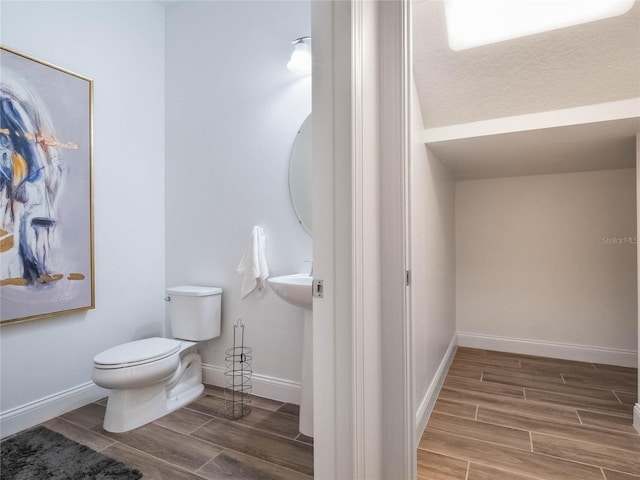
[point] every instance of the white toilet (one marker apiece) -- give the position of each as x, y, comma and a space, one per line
155, 376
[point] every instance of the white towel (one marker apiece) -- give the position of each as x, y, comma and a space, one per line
253, 266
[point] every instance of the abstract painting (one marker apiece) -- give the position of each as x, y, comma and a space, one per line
46, 208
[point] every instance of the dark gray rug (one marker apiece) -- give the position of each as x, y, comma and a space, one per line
43, 454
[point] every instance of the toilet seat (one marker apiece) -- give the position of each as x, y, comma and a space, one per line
139, 352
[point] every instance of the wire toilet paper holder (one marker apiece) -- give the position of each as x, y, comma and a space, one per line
237, 392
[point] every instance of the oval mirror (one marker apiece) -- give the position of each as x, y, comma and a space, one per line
300, 175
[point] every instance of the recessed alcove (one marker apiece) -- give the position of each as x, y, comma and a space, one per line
523, 193
579, 139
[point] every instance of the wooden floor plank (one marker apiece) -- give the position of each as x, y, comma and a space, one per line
482, 472
579, 401
183, 420
464, 372
533, 409
238, 466
469, 384
589, 392
629, 398
612, 422
603, 380
458, 409
487, 432
257, 443
544, 362
184, 451
556, 365
532, 373
216, 391
433, 466
272, 421
582, 433
78, 434
616, 368
486, 362
505, 458
277, 422
472, 353
612, 475
152, 468
89, 416
589, 453
304, 439
290, 408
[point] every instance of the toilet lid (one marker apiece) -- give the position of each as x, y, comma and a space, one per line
137, 353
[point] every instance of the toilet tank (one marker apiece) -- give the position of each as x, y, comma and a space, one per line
194, 312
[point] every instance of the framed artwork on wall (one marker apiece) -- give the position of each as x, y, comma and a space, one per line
46, 189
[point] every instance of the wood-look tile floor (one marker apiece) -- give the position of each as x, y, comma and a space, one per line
198, 442
502, 416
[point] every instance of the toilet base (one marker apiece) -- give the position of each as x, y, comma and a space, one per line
133, 407
129, 409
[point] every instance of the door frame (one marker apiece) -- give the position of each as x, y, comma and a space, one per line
363, 376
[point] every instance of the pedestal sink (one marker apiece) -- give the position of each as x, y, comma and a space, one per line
296, 290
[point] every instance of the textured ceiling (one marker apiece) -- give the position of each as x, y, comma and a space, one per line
581, 65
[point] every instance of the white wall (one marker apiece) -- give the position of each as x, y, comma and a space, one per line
432, 268
120, 45
547, 258
232, 113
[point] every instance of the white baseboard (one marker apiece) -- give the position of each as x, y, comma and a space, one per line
262, 385
429, 399
636, 417
30, 414
33, 413
567, 351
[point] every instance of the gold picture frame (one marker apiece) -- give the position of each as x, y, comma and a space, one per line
46, 190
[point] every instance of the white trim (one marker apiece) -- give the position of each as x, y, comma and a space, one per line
261, 385
429, 399
601, 112
331, 29
398, 399
636, 417
32, 413
358, 294
567, 351
378, 371
365, 194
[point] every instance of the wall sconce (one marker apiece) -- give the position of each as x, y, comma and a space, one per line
301, 57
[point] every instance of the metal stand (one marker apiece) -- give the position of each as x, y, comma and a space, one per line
237, 392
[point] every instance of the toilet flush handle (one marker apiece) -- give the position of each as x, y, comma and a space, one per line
167, 298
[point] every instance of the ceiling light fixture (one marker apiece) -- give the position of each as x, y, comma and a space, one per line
301, 57
472, 23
